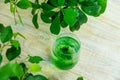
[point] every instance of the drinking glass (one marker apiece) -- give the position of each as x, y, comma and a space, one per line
65, 51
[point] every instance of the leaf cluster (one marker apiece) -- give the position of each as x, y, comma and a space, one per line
19, 71
16, 70
61, 13
8, 39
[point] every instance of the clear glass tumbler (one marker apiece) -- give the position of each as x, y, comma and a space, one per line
65, 51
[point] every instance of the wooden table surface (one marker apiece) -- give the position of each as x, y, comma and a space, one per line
100, 44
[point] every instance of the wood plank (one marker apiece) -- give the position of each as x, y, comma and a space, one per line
100, 44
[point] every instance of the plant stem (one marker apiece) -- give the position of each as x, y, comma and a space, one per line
13, 9
15, 18
2, 47
25, 74
20, 19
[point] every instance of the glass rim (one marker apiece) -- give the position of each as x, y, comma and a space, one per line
69, 34
66, 34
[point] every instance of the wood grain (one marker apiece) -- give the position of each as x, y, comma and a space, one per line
100, 44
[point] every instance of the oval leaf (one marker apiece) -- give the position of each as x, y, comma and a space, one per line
47, 7
35, 59
12, 53
70, 16
7, 71
34, 20
94, 7
45, 18
35, 68
17, 70
10, 70
81, 19
92, 10
55, 26
24, 4
6, 34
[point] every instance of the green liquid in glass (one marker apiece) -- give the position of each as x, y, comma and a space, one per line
65, 52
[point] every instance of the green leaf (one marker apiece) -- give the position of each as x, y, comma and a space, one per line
54, 16
49, 13
35, 59
9, 70
82, 18
46, 7
52, 2
80, 78
24, 67
81, 1
6, 1
1, 27
36, 77
61, 2
17, 70
92, 10
35, 68
94, 7
5, 71
62, 21
15, 43
40, 77
35, 6
0, 58
30, 77
55, 26
70, 16
45, 18
12, 53
33, 11
71, 2
13, 78
6, 34
90, 2
24, 4
34, 21
103, 4
64, 24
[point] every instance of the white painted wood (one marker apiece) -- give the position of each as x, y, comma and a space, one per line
100, 44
